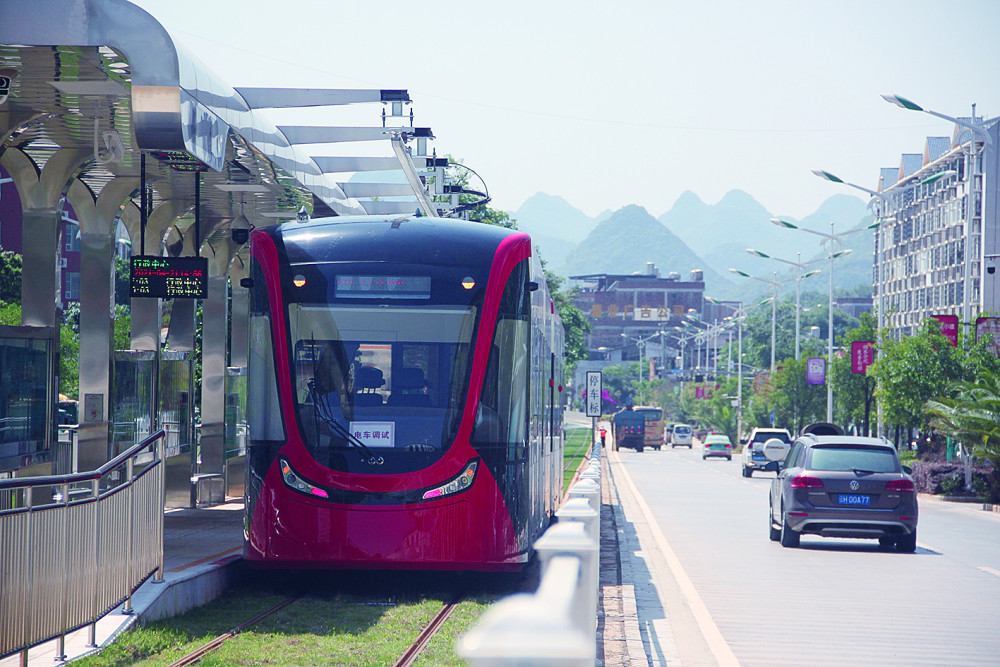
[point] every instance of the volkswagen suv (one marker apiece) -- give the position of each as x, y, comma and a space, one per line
843, 486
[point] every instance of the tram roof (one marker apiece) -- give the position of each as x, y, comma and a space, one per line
390, 238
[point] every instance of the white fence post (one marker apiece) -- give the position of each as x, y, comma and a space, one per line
557, 625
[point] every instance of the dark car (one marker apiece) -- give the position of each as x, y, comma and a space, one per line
843, 486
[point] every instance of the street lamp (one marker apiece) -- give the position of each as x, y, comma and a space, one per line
640, 343
971, 172
775, 284
904, 103
801, 266
739, 317
829, 242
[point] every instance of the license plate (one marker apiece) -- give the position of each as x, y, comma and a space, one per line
848, 499
758, 457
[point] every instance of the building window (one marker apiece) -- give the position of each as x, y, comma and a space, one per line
72, 286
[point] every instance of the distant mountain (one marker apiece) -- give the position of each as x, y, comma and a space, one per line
737, 218
696, 235
554, 225
627, 240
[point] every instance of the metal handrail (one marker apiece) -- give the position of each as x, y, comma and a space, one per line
70, 560
70, 478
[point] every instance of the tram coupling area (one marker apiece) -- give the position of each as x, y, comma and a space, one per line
202, 555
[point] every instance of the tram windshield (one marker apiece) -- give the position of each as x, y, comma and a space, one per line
379, 387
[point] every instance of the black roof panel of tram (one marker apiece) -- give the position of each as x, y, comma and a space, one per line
411, 240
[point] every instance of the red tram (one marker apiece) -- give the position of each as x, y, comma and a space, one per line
405, 402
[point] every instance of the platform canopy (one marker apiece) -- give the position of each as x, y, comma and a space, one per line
106, 80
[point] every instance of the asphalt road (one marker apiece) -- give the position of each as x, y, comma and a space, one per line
713, 589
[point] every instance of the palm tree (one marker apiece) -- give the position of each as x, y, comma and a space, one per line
972, 416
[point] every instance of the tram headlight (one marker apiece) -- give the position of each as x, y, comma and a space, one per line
460, 482
293, 481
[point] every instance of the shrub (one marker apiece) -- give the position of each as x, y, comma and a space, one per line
939, 477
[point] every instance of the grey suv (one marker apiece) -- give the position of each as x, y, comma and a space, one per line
843, 486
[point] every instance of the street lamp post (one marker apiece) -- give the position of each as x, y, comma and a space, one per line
640, 344
830, 242
801, 266
775, 284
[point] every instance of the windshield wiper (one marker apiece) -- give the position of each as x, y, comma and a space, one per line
324, 411
862, 471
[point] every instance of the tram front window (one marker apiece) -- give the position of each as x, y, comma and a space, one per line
383, 382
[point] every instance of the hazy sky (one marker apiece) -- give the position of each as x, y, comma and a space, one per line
628, 102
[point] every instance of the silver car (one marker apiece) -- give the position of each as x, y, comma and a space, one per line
843, 486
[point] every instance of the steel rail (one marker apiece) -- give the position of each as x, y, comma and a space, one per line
196, 655
426, 634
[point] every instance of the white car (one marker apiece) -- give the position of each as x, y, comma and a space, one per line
753, 448
680, 436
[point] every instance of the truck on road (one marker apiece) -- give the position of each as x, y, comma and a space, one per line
629, 429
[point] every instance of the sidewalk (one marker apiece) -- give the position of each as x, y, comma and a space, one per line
202, 553
619, 640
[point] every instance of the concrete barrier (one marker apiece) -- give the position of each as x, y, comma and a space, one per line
557, 625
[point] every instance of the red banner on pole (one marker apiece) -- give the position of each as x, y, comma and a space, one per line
949, 327
989, 328
862, 355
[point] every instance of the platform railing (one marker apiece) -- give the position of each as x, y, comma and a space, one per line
76, 546
557, 624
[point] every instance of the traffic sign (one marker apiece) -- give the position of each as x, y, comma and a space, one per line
594, 391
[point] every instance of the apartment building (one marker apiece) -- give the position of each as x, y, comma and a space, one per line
937, 246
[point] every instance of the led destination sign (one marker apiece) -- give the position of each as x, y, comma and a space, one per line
170, 277
382, 287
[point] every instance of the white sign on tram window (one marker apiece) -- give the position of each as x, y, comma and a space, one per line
375, 434
594, 389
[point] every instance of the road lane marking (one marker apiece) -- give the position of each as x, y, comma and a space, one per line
709, 630
990, 570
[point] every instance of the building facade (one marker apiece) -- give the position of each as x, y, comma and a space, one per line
936, 248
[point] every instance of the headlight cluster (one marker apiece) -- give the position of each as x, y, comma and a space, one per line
461, 482
293, 481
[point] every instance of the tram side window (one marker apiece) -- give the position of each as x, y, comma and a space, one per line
502, 418
263, 407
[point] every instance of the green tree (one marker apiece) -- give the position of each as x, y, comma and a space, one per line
794, 402
973, 417
123, 294
621, 382
575, 323
911, 371
757, 330
717, 412
10, 277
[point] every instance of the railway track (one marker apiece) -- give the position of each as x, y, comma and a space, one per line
197, 654
405, 660
425, 635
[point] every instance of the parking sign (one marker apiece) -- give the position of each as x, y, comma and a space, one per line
594, 389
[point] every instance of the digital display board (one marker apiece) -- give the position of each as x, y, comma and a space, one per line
169, 277
382, 287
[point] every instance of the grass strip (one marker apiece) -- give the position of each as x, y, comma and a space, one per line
343, 630
578, 441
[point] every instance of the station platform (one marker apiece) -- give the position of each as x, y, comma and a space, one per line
202, 554
203, 551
